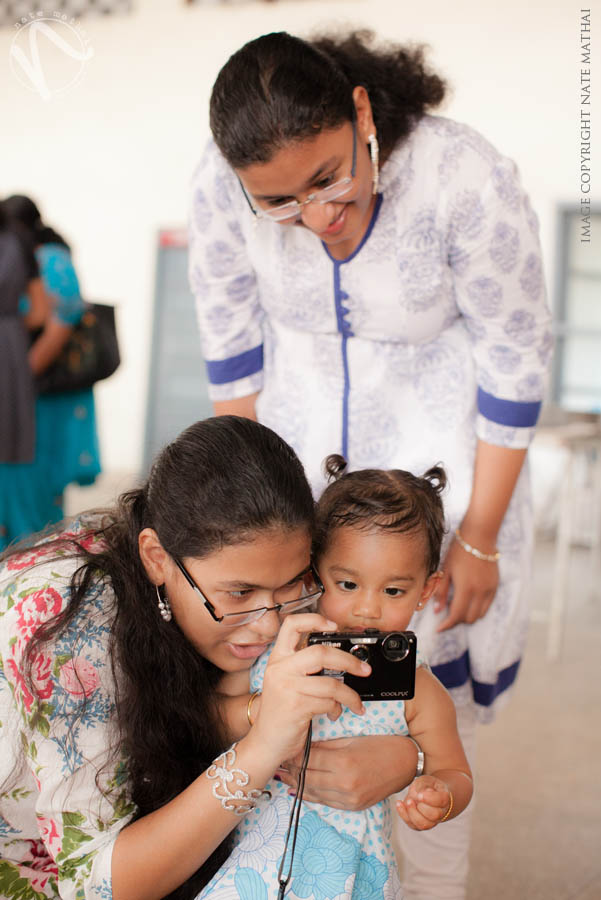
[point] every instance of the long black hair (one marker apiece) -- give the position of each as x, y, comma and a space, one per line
22, 210
279, 88
221, 482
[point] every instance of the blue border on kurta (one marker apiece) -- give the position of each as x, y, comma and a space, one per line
508, 412
457, 672
343, 326
345, 330
222, 371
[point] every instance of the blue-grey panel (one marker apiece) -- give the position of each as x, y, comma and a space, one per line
177, 385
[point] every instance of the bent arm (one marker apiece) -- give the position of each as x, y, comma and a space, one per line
475, 581
40, 305
350, 773
355, 772
48, 345
157, 853
65, 306
224, 285
432, 722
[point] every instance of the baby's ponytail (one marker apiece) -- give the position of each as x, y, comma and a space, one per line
437, 477
335, 466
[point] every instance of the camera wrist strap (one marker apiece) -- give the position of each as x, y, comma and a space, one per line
294, 817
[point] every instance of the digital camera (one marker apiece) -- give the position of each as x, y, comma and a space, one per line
391, 655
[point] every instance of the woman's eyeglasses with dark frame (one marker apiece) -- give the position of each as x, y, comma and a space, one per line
308, 579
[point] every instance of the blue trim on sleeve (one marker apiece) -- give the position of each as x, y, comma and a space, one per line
508, 412
222, 371
457, 672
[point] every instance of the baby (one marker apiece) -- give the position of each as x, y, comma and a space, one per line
377, 551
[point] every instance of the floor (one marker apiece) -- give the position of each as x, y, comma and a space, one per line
537, 828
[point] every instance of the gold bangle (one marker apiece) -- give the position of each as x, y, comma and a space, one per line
487, 557
251, 700
449, 810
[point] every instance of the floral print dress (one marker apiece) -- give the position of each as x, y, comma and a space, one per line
63, 794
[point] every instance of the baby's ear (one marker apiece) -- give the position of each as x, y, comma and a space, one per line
429, 588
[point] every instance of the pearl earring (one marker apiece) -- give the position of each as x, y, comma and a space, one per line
374, 152
164, 606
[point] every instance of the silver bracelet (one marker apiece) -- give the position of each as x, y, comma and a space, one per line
486, 557
421, 759
222, 772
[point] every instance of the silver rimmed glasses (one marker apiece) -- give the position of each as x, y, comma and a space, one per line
293, 210
307, 585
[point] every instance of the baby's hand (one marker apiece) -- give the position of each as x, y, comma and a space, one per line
426, 804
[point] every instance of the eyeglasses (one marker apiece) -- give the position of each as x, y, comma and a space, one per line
294, 209
307, 584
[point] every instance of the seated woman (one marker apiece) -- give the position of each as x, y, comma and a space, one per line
116, 777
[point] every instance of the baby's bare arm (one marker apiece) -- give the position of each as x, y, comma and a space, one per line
446, 787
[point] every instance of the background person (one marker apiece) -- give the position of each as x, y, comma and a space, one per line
19, 273
66, 443
368, 279
112, 662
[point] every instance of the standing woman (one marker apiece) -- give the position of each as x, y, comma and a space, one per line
368, 281
19, 274
66, 443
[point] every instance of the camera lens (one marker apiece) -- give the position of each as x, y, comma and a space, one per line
360, 652
395, 646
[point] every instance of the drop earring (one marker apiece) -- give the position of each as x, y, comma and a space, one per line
164, 605
374, 152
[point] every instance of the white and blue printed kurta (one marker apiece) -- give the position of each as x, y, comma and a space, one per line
435, 331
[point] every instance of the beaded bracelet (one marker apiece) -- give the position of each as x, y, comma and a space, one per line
487, 557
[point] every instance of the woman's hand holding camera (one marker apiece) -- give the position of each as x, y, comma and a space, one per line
293, 692
428, 802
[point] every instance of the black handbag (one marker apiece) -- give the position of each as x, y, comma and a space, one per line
90, 354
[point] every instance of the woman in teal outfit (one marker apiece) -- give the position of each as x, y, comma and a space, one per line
66, 443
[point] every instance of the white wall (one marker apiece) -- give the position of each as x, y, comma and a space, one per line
109, 162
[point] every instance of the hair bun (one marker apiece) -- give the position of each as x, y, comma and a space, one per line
437, 477
334, 466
